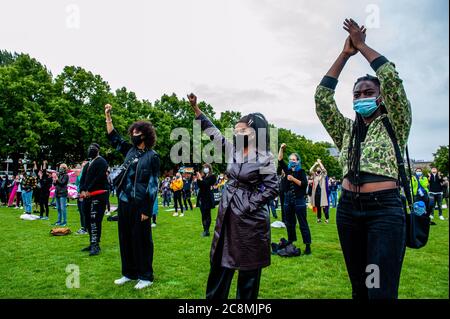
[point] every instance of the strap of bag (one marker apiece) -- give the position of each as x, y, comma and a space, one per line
401, 163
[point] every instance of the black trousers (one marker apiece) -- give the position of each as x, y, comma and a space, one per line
282, 201
136, 244
43, 204
326, 210
177, 199
206, 217
435, 198
94, 210
372, 233
187, 200
296, 208
220, 278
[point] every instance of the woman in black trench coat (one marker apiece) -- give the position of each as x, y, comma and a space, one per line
242, 233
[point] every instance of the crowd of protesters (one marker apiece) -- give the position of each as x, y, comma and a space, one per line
370, 204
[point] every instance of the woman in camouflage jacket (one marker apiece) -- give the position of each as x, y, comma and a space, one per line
370, 216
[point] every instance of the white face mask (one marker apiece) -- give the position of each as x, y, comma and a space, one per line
206, 170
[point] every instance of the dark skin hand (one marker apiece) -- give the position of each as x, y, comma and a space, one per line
356, 42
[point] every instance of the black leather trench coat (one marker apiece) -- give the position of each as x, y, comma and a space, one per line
242, 233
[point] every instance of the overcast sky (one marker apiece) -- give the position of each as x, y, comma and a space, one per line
244, 55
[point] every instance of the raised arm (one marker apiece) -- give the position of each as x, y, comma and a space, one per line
281, 164
392, 91
208, 127
327, 111
114, 137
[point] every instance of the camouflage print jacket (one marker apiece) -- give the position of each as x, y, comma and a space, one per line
377, 151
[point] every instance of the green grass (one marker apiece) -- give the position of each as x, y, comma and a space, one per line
33, 263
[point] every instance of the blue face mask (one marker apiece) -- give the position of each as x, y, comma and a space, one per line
295, 165
365, 107
419, 174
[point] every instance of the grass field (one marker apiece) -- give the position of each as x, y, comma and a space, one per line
33, 263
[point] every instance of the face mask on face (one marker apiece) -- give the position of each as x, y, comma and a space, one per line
419, 174
293, 165
136, 140
365, 107
62, 170
92, 152
206, 170
243, 142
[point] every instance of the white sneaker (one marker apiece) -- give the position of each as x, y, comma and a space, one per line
181, 215
143, 284
122, 281
175, 214
441, 217
431, 217
153, 225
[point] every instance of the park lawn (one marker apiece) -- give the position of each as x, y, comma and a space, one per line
33, 263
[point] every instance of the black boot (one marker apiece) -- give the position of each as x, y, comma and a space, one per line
307, 249
205, 233
95, 250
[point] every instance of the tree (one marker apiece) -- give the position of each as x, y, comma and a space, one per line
441, 160
56, 118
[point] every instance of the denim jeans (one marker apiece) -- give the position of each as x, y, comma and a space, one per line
61, 203
372, 233
333, 198
295, 209
27, 201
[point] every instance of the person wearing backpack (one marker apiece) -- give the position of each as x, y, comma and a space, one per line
137, 191
370, 216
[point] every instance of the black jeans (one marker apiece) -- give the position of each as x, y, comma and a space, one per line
372, 232
435, 198
206, 217
220, 278
283, 213
177, 200
94, 210
136, 244
296, 207
187, 199
43, 204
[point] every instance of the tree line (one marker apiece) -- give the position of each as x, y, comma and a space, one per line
55, 118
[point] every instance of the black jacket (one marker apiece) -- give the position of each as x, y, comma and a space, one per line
205, 194
93, 177
46, 183
300, 191
436, 184
242, 232
141, 182
61, 185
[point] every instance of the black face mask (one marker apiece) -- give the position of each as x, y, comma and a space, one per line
92, 152
242, 145
136, 140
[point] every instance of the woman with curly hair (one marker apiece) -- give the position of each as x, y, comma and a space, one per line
136, 194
